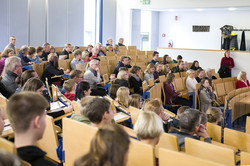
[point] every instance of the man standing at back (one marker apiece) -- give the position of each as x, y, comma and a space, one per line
12, 44
27, 112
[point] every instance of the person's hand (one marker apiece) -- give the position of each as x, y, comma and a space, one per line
202, 132
165, 117
158, 79
97, 70
112, 76
67, 71
180, 93
140, 88
68, 109
209, 87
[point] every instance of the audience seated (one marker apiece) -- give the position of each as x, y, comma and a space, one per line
82, 90
53, 50
76, 75
135, 81
155, 58
179, 68
1, 121
155, 106
209, 74
8, 52
94, 53
123, 63
166, 59
85, 56
116, 48
99, 112
8, 159
195, 66
242, 80
190, 126
23, 78
148, 127
46, 51
122, 96
204, 119
214, 115
149, 72
12, 69
120, 43
113, 90
122, 78
99, 48
166, 69
77, 60
69, 86
191, 81
67, 50
109, 42
32, 55
12, 44
172, 97
22, 54
186, 66
110, 146
158, 71
75, 48
135, 100
206, 95
51, 69
200, 75
92, 76
179, 58
27, 118
4, 91
109, 49
89, 49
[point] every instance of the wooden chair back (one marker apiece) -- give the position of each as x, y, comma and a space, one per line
144, 86
71, 56
151, 82
248, 125
76, 139
110, 54
3, 105
209, 151
171, 114
134, 113
54, 92
39, 68
220, 89
47, 86
244, 158
229, 86
80, 67
140, 154
216, 81
149, 53
63, 64
162, 78
172, 158
236, 138
76, 107
155, 91
132, 48
49, 142
105, 78
122, 47
214, 131
104, 70
179, 86
7, 145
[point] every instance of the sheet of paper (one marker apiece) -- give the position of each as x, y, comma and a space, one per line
119, 116
7, 128
55, 106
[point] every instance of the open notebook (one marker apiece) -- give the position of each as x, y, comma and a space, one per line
56, 106
119, 116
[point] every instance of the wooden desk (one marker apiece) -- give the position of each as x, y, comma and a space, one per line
245, 100
63, 116
7, 133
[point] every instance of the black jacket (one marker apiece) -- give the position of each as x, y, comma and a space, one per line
119, 64
50, 71
34, 156
44, 56
64, 52
136, 85
122, 82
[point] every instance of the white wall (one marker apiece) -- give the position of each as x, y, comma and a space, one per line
136, 28
180, 31
154, 30
210, 58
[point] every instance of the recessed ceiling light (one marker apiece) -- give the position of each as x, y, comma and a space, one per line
199, 9
231, 8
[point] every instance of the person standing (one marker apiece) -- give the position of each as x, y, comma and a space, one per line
227, 63
12, 44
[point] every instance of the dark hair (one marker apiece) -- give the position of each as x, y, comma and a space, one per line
201, 86
189, 119
39, 49
199, 70
33, 84
23, 78
155, 53
169, 78
113, 90
108, 147
193, 65
164, 59
96, 108
179, 57
80, 88
179, 62
134, 69
54, 61
32, 50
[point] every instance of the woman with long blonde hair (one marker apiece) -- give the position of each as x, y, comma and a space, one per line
122, 96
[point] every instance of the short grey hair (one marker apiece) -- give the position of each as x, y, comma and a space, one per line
11, 63
189, 119
24, 48
93, 61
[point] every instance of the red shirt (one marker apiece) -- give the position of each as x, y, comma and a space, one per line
69, 96
93, 56
241, 84
227, 62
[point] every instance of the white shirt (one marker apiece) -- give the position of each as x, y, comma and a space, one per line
190, 84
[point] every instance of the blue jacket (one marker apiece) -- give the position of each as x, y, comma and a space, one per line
119, 64
153, 61
24, 59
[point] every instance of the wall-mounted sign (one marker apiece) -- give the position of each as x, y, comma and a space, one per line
199, 28
145, 2
163, 35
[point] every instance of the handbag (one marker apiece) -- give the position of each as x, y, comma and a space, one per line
223, 71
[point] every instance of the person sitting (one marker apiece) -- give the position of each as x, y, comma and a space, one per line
179, 68
94, 53
51, 69
172, 97
242, 80
148, 127
158, 71
200, 75
149, 72
155, 106
124, 62
186, 66
176, 121
206, 95
12, 44
113, 90
109, 42
70, 87
109, 49
76, 75
92, 76
179, 58
22, 54
195, 66
53, 51
135, 100
214, 115
99, 112
122, 78
8, 52
89, 49
67, 50
110, 146
116, 48
32, 55
209, 74
191, 81
85, 56
191, 127
82, 90
120, 43
99, 48
12, 69
23, 78
135, 81
166, 59
155, 58
26, 112
75, 48
166, 69
46, 51
122, 96
77, 60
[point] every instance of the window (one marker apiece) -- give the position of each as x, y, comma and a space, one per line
89, 22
